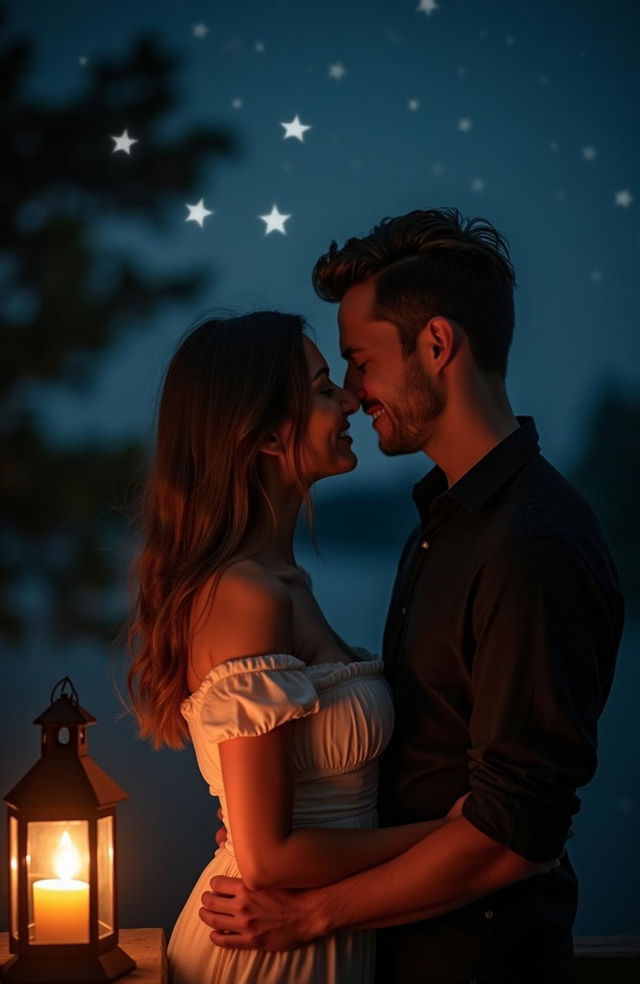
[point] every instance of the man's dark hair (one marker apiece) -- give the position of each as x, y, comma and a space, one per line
429, 263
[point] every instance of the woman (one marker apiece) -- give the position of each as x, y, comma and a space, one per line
230, 648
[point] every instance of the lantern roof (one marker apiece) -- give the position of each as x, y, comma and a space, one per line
65, 709
73, 784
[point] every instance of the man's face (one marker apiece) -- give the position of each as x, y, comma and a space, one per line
393, 389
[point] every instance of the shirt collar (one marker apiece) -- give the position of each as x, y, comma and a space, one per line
486, 477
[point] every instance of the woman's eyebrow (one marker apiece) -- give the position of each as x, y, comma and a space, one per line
319, 373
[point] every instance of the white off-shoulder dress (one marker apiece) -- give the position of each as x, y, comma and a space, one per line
343, 716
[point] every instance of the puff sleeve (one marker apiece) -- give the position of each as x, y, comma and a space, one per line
251, 695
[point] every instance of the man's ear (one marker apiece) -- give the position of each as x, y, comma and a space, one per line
438, 343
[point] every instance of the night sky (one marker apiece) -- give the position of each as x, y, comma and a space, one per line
523, 113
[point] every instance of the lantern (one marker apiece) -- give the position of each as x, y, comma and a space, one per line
62, 843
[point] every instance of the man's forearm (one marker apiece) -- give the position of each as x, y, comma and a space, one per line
452, 867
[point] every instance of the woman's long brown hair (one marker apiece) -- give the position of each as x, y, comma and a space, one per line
230, 383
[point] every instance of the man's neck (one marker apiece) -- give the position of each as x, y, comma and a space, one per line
466, 432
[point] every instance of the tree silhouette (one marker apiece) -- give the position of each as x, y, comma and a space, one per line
67, 298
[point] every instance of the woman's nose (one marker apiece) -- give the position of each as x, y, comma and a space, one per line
350, 402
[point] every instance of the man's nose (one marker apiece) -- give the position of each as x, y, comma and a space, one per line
353, 384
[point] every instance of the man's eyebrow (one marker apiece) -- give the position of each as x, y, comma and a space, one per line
348, 352
319, 373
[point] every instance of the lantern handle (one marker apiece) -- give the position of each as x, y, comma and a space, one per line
62, 684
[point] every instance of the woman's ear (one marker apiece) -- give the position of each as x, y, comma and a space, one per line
272, 445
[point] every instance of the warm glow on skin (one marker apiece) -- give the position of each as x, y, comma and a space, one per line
324, 452
375, 365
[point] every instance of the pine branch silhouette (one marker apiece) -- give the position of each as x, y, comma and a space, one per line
68, 297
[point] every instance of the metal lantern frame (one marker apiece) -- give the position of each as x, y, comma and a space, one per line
64, 786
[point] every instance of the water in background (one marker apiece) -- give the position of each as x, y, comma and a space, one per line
166, 829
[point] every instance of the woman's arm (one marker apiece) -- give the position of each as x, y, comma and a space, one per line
258, 780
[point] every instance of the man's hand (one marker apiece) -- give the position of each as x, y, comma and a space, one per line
270, 919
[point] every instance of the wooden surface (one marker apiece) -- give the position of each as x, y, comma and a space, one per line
606, 960
146, 946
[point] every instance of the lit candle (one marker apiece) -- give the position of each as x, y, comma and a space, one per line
61, 905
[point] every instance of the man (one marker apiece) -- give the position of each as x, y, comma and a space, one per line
501, 636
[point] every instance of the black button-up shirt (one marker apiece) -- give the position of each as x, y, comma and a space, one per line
500, 646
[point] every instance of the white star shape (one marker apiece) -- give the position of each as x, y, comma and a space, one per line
624, 198
589, 153
83, 60
337, 71
477, 184
413, 104
596, 276
237, 103
462, 72
124, 142
200, 30
553, 146
259, 47
197, 213
510, 39
295, 129
437, 170
427, 7
465, 125
274, 221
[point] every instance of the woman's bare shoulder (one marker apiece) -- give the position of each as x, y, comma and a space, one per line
245, 611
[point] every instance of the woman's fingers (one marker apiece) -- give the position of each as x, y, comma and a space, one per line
456, 809
221, 832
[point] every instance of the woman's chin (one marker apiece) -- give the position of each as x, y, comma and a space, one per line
351, 460
346, 463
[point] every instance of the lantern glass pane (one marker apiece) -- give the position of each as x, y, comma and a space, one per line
13, 884
105, 877
58, 881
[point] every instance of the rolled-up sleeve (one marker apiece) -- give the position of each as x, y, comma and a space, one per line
545, 645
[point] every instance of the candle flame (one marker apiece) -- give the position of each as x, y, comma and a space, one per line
67, 859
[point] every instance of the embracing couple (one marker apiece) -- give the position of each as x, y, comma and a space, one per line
427, 795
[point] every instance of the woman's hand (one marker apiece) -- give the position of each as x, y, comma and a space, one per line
221, 832
456, 809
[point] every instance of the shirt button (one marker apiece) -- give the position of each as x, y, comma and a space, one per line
488, 914
403, 610
425, 544
473, 980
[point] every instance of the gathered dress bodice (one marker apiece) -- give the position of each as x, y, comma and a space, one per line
343, 716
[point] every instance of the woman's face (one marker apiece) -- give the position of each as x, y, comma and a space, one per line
326, 448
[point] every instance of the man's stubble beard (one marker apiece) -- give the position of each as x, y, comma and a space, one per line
415, 407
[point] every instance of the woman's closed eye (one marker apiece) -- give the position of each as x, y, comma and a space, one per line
328, 390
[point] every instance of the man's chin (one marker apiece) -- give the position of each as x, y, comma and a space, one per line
392, 449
